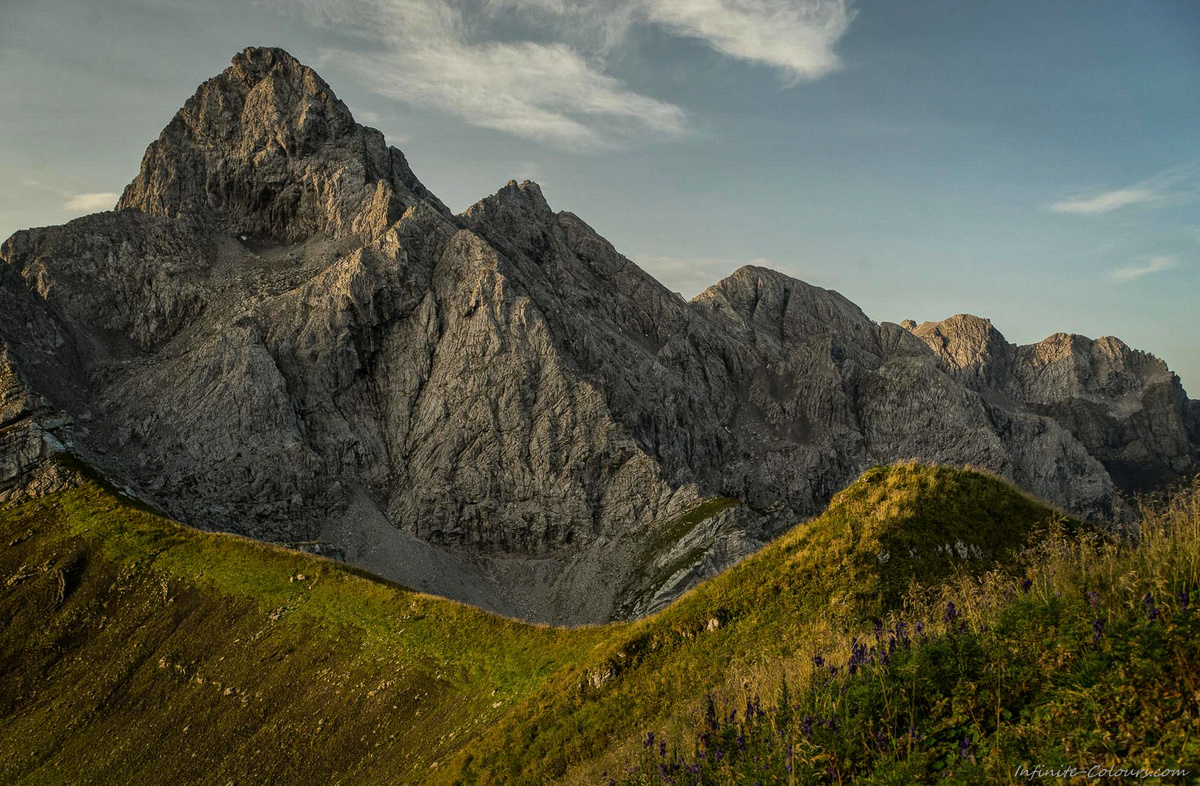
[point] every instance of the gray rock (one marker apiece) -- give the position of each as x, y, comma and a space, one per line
1125, 406
495, 406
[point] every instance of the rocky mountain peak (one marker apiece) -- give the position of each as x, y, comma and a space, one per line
256, 63
266, 150
515, 203
964, 341
776, 304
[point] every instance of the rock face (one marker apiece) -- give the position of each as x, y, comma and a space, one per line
265, 149
1125, 406
282, 333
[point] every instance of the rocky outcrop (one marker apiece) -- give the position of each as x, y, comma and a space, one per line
267, 150
282, 333
1125, 406
28, 440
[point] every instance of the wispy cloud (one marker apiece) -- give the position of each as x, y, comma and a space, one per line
795, 36
1104, 202
91, 203
1152, 265
433, 54
547, 93
461, 57
1153, 190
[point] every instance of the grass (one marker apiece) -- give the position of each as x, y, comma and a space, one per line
1083, 660
138, 650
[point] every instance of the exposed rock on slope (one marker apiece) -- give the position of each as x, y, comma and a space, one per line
1125, 406
282, 333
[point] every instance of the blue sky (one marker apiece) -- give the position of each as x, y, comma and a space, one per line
1037, 163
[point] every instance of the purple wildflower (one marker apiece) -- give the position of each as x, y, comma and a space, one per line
1151, 609
662, 749
1026, 585
806, 726
818, 661
964, 748
649, 739
1094, 598
1183, 600
951, 614
1097, 630
901, 634
858, 656
881, 741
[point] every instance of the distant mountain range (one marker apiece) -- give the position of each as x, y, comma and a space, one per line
282, 333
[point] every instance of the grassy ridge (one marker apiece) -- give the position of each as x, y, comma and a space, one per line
137, 650
821, 578
1083, 661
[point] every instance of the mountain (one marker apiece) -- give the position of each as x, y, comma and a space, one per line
1125, 406
282, 333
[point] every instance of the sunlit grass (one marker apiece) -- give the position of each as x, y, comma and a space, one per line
1084, 658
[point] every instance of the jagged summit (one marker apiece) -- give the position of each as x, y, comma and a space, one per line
526, 196
1125, 405
283, 334
266, 149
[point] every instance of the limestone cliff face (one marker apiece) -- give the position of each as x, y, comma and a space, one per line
282, 333
267, 150
1125, 406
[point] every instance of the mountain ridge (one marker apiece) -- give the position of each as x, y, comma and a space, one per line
282, 333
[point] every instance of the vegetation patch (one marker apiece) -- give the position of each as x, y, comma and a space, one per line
138, 650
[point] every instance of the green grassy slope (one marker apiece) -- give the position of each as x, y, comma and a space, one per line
137, 650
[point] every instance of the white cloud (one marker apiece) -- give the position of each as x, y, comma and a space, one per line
1104, 202
547, 93
1154, 190
365, 116
795, 36
1152, 265
430, 53
91, 203
461, 57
